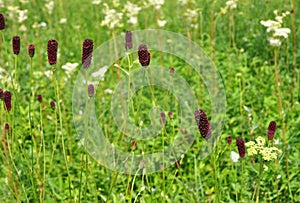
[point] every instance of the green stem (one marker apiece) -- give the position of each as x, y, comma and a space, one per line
259, 178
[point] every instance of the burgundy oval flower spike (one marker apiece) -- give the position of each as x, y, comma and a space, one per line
241, 147
91, 90
16, 44
128, 40
203, 124
87, 51
229, 140
271, 130
31, 50
2, 22
52, 51
144, 55
7, 100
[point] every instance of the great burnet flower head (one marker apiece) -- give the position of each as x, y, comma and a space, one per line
16, 44
258, 147
7, 100
271, 130
128, 40
39, 98
229, 139
87, 52
144, 55
52, 51
241, 147
91, 90
31, 50
52, 104
203, 124
2, 22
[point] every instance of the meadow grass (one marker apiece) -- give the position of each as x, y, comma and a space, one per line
43, 157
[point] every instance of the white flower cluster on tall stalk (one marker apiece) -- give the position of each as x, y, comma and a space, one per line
274, 27
112, 19
132, 11
231, 4
156, 3
49, 6
192, 17
96, 2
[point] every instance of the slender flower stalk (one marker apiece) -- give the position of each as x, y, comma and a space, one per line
52, 47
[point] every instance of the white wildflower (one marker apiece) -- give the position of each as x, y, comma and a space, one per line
234, 156
48, 73
282, 32
265, 167
231, 4
156, 3
1, 4
113, 19
161, 23
270, 24
62, 20
43, 24
192, 17
23, 1
132, 11
274, 42
100, 73
70, 68
49, 6
23, 28
108, 91
22, 15
96, 2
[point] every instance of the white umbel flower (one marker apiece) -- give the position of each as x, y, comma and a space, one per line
234, 156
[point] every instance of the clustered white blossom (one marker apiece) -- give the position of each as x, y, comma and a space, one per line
258, 147
156, 3
69, 68
132, 11
96, 2
274, 27
113, 18
231, 4
49, 6
192, 17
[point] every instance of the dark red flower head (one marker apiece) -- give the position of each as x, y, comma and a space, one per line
133, 145
91, 90
162, 118
203, 124
128, 40
87, 52
229, 140
16, 44
39, 98
170, 114
31, 50
6, 127
52, 104
241, 147
2, 22
271, 130
52, 51
7, 100
172, 70
144, 55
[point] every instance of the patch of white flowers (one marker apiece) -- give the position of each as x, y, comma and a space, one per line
132, 11
49, 6
274, 27
155, 3
192, 17
113, 18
